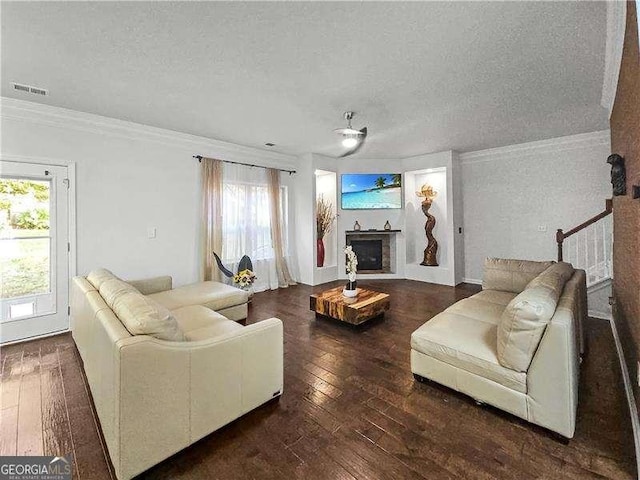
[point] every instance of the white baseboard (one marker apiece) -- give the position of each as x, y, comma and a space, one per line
633, 411
36, 337
600, 315
599, 285
475, 281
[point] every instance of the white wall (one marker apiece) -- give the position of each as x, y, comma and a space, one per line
371, 218
438, 171
129, 178
509, 192
132, 177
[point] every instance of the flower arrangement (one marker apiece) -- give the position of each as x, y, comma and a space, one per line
245, 278
324, 217
351, 267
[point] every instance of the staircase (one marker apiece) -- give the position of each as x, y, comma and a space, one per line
589, 247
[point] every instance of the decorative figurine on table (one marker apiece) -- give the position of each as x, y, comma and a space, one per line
351, 267
245, 276
428, 193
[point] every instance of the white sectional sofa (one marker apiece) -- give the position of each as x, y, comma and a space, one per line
164, 376
516, 345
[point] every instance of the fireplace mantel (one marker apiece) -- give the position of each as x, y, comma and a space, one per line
376, 232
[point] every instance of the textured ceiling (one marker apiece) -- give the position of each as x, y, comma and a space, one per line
423, 77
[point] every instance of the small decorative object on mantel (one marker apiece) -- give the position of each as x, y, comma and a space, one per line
387, 226
428, 193
618, 174
324, 224
356, 226
245, 276
350, 289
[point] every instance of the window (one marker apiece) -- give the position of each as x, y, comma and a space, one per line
246, 221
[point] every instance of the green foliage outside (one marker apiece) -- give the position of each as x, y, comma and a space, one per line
40, 190
24, 262
26, 273
36, 219
13, 192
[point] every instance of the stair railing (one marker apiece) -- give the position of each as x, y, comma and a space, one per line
589, 246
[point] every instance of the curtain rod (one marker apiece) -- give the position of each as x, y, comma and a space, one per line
200, 157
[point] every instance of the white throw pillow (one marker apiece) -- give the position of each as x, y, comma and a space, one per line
526, 316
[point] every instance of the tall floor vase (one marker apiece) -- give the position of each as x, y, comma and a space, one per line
430, 252
320, 252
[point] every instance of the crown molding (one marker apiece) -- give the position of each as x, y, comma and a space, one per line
616, 25
552, 145
21, 110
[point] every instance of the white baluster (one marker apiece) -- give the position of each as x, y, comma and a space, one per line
586, 252
605, 258
595, 255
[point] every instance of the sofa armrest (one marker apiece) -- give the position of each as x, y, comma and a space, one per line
553, 376
147, 286
171, 394
235, 373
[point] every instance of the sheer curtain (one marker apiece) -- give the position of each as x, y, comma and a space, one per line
246, 223
278, 232
211, 222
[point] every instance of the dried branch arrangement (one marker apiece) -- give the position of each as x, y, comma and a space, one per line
324, 217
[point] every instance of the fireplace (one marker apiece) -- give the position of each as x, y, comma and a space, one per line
369, 253
373, 250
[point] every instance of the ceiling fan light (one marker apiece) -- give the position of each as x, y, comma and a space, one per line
349, 142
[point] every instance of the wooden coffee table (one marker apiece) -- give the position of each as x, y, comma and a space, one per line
366, 305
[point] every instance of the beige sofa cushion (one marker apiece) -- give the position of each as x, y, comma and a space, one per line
510, 275
194, 317
147, 286
143, 316
524, 319
201, 323
111, 289
213, 295
495, 296
478, 309
466, 343
99, 275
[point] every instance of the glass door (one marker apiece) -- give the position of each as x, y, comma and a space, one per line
34, 261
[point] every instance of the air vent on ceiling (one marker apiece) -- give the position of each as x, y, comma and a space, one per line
29, 89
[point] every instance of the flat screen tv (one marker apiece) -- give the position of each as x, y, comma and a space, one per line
368, 191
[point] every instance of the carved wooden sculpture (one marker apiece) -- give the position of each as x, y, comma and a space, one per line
431, 251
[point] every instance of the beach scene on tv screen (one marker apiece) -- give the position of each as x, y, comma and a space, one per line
371, 190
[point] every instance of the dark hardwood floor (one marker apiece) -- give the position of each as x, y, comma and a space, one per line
350, 409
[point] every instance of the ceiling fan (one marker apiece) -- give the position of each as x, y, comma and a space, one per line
351, 138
